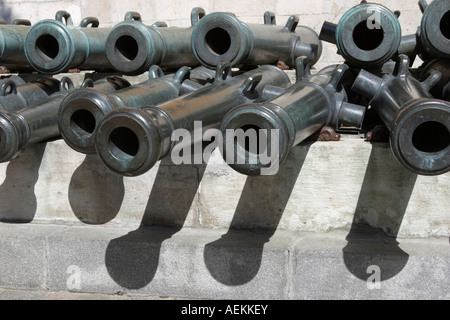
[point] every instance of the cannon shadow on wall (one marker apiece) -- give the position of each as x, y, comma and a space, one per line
262, 203
5, 12
18, 202
382, 203
174, 190
168, 206
380, 209
95, 193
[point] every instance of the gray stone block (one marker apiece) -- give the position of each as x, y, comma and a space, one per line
370, 268
76, 260
218, 264
238, 265
10, 294
23, 254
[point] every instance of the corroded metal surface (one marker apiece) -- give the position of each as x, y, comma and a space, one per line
16, 94
304, 108
12, 39
366, 36
133, 47
130, 141
432, 39
221, 36
55, 46
379, 133
39, 122
94, 103
440, 90
419, 125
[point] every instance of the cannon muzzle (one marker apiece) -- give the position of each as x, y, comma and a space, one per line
432, 39
366, 36
39, 122
419, 124
130, 141
91, 104
133, 47
279, 124
221, 36
52, 46
435, 28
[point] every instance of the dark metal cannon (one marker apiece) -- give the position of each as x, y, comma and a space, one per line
12, 55
130, 141
55, 46
221, 36
16, 94
133, 47
440, 90
419, 125
366, 36
18, 81
446, 92
279, 124
91, 104
39, 122
432, 39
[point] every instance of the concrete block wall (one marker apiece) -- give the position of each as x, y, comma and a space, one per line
312, 13
77, 219
323, 187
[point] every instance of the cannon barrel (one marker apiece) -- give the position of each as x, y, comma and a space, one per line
133, 47
419, 124
39, 122
130, 141
281, 123
52, 46
18, 80
366, 36
220, 36
435, 28
94, 104
432, 39
15, 94
441, 89
12, 40
446, 92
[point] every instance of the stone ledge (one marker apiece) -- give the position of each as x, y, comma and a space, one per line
221, 264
